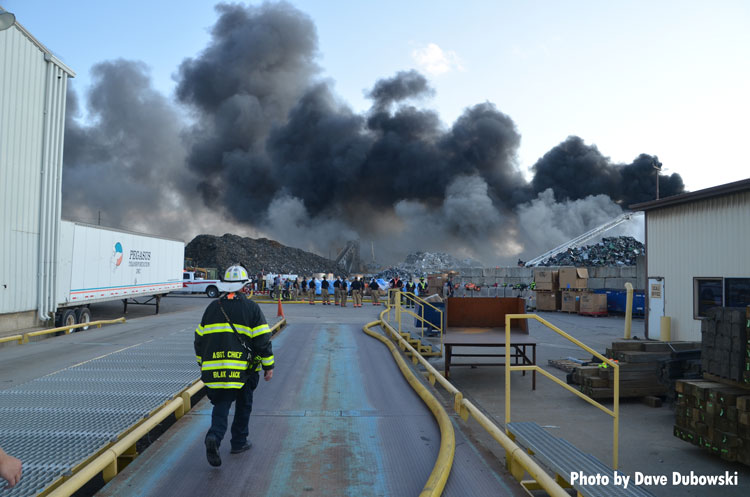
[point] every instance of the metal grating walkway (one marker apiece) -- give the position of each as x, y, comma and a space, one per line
56, 422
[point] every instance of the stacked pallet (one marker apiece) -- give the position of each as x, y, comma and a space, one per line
646, 369
636, 380
714, 416
726, 346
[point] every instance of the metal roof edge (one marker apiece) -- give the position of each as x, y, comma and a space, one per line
122, 230
684, 198
48, 55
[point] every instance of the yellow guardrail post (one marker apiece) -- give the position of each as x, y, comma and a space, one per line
616, 419
398, 309
421, 308
507, 372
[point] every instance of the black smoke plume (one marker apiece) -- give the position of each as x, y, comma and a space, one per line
575, 170
267, 148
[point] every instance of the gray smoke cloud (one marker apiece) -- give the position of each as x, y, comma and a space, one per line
257, 144
129, 159
125, 166
403, 86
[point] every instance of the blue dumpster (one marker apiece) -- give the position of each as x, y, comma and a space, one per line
617, 301
431, 315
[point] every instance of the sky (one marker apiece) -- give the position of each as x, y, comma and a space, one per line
492, 130
666, 78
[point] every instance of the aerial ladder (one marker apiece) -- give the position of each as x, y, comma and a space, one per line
580, 240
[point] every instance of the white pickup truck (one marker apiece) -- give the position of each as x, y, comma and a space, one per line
193, 284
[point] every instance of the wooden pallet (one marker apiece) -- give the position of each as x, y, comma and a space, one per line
594, 314
726, 381
565, 364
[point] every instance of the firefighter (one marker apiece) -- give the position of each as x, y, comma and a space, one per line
311, 290
337, 291
357, 292
324, 291
375, 292
344, 291
232, 345
295, 289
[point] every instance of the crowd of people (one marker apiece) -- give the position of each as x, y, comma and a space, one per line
343, 288
295, 288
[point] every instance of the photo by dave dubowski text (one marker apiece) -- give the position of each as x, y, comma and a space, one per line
676, 478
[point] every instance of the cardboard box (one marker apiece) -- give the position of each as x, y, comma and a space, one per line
593, 303
548, 301
571, 301
546, 279
573, 277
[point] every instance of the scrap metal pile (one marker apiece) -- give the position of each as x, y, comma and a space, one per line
423, 263
611, 251
256, 255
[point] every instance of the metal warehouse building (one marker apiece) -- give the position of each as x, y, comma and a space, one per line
697, 256
33, 85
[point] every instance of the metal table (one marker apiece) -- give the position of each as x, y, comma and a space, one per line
489, 337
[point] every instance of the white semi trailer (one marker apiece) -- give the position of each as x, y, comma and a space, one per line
97, 264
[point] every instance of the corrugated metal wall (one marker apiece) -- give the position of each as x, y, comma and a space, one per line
32, 112
707, 238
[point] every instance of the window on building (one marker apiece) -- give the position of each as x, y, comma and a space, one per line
737, 292
707, 293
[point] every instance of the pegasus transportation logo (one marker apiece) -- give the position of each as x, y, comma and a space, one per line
117, 255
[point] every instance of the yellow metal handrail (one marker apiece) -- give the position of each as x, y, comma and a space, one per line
518, 460
18, 338
68, 329
615, 412
417, 300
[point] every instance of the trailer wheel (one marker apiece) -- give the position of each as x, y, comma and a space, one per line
212, 292
68, 318
83, 315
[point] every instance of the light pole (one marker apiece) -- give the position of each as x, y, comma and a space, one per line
657, 165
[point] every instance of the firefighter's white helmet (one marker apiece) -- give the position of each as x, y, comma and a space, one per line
237, 276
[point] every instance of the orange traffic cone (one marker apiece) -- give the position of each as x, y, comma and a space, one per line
280, 312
